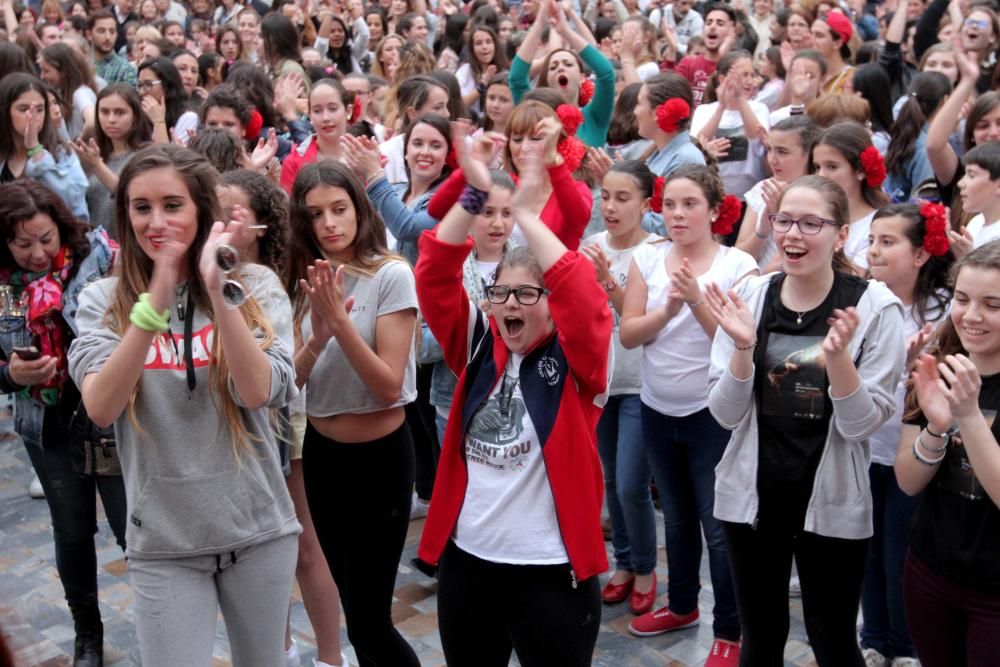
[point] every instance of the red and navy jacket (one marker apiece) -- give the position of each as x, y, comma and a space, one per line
563, 380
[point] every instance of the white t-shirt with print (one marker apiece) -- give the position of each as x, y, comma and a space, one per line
509, 514
626, 378
737, 175
981, 232
675, 362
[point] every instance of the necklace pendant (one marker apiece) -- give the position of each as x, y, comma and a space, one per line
798, 320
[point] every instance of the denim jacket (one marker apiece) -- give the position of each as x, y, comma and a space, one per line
29, 413
65, 178
405, 222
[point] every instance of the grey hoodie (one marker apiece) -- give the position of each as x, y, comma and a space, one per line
188, 494
841, 502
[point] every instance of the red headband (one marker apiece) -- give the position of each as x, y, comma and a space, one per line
935, 229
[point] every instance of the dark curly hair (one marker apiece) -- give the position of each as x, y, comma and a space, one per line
25, 198
270, 206
227, 96
224, 151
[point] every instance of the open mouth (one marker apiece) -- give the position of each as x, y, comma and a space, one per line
425, 164
795, 254
513, 325
496, 235
563, 80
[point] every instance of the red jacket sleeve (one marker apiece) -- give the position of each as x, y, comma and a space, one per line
442, 298
579, 308
447, 195
573, 202
290, 169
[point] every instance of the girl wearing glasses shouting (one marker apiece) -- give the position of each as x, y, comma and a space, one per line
665, 313
517, 500
803, 370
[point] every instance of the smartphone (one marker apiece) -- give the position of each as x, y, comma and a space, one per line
29, 353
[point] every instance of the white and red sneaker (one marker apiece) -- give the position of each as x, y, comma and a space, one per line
723, 654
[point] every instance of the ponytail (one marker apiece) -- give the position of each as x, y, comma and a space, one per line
927, 92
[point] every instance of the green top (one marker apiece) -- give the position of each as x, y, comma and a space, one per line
597, 113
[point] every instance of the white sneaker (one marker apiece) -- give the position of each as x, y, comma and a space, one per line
292, 655
343, 662
905, 662
35, 489
418, 508
873, 658
794, 588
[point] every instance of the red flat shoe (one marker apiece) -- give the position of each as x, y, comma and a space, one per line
613, 593
640, 603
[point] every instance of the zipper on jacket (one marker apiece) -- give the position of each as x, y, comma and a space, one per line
572, 572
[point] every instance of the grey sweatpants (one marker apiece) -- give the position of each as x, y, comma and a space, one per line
177, 602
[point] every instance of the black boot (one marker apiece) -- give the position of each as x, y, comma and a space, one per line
89, 647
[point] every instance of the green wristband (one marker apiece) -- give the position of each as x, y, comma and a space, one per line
35, 150
145, 316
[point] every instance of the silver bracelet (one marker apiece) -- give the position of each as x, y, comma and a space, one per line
947, 441
923, 459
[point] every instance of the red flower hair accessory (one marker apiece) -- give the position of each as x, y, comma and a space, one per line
355, 114
656, 200
873, 166
729, 213
935, 229
671, 113
254, 126
572, 151
586, 92
571, 118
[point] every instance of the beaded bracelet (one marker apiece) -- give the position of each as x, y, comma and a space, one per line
473, 200
145, 316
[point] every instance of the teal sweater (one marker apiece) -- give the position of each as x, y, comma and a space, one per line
597, 113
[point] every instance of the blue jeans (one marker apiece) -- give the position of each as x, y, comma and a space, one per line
683, 453
626, 484
885, 627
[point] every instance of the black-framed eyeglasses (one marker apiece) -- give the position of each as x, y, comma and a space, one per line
807, 224
526, 295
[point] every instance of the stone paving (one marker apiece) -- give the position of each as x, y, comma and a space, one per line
39, 628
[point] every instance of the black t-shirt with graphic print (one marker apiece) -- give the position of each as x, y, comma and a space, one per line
791, 387
956, 529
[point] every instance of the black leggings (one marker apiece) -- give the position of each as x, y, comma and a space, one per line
485, 609
359, 497
831, 571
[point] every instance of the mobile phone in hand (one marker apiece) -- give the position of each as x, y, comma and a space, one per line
29, 353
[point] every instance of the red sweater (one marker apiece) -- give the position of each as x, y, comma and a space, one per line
566, 213
561, 397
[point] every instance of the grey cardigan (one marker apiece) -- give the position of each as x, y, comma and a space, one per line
841, 502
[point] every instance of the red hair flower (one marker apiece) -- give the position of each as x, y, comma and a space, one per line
355, 114
670, 114
873, 166
573, 151
656, 200
729, 213
571, 118
935, 229
586, 92
254, 126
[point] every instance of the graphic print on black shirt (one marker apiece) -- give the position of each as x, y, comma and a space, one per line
956, 474
956, 529
796, 377
495, 432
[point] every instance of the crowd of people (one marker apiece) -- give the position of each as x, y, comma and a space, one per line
278, 279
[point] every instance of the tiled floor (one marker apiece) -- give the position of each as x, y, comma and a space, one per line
38, 625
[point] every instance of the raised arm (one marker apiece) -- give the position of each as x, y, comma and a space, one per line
519, 69
940, 153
